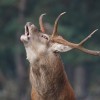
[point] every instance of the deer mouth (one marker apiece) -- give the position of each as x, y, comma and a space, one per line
25, 37
29, 30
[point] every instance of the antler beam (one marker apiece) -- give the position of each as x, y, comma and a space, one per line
79, 45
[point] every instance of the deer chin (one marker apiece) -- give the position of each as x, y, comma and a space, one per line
24, 38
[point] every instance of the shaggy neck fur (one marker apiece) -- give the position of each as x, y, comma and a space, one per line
48, 79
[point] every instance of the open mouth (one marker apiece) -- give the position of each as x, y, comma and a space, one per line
26, 30
25, 37
29, 30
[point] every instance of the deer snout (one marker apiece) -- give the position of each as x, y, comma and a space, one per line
30, 28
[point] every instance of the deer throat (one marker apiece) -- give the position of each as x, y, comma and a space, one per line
45, 79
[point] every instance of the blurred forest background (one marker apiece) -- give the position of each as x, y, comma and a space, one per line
83, 16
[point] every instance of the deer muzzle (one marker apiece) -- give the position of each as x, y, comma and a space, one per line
30, 29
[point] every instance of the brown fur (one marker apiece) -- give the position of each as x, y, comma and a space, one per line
50, 81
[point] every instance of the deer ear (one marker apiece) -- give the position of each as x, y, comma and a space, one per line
56, 47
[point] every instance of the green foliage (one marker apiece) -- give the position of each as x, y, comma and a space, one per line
7, 2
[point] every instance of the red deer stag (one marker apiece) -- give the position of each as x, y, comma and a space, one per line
47, 75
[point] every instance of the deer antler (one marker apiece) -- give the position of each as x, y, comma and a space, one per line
79, 46
59, 39
96, 53
41, 23
56, 25
89, 36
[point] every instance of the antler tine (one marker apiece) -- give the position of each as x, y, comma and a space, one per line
56, 25
41, 22
89, 36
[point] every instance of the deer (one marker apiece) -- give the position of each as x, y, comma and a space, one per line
48, 78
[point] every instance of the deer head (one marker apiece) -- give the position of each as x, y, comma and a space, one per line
38, 42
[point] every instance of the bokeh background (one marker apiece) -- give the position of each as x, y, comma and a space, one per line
83, 16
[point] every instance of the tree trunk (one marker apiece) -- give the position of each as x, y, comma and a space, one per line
80, 82
20, 69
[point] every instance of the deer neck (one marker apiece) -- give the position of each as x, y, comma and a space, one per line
47, 75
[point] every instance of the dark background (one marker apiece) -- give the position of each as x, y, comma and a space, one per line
82, 17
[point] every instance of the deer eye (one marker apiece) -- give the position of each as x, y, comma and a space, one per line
44, 36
